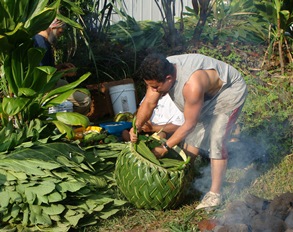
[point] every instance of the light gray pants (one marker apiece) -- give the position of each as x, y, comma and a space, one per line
213, 132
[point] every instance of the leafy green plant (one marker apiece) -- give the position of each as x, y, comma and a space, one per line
277, 15
27, 89
95, 17
222, 21
202, 9
171, 34
57, 186
228, 54
137, 35
90, 48
238, 20
117, 55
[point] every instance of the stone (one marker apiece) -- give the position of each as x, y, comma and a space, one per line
237, 212
232, 228
266, 222
280, 205
289, 220
256, 203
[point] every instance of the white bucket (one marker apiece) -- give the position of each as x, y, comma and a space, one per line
123, 98
65, 106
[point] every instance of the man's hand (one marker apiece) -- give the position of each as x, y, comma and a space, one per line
133, 136
160, 151
68, 68
65, 66
147, 127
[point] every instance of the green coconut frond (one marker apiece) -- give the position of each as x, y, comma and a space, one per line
150, 183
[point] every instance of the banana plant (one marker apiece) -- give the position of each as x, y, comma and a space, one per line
27, 90
278, 14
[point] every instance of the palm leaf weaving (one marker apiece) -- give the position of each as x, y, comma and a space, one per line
150, 183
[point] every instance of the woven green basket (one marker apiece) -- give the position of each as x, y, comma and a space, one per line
148, 185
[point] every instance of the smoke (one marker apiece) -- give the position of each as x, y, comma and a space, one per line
245, 152
202, 182
243, 155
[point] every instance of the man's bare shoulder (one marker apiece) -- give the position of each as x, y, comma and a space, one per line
207, 81
198, 81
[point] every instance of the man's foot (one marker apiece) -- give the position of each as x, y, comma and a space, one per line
210, 200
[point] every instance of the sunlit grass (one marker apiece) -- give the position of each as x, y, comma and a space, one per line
275, 181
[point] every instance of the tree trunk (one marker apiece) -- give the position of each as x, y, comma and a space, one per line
171, 33
200, 7
280, 43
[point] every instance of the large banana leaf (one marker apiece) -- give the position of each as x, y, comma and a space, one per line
62, 96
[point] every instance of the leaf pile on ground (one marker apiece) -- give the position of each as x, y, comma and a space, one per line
58, 186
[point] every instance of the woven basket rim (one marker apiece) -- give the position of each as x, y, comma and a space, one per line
151, 164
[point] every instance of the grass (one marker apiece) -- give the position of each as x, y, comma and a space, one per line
255, 178
276, 181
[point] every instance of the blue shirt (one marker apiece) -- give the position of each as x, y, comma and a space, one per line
42, 42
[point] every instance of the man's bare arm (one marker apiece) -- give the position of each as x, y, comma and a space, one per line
146, 108
193, 93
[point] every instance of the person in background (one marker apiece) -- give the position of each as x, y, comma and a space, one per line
47, 39
165, 119
211, 95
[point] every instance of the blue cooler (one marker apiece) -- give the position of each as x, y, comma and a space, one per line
116, 128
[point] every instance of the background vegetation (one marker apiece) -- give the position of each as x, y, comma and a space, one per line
253, 36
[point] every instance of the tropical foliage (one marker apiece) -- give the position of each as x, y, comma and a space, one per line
222, 20
28, 90
45, 185
57, 186
278, 15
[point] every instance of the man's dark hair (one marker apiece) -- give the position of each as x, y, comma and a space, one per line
155, 67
